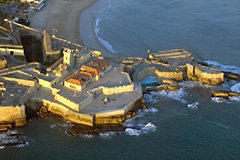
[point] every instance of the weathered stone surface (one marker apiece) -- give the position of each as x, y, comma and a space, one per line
224, 94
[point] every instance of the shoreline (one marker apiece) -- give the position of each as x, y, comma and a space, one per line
63, 16
87, 28
81, 15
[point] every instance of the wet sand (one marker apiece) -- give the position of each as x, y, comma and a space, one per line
62, 15
74, 21
87, 28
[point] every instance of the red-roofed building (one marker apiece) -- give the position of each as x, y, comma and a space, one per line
96, 66
89, 71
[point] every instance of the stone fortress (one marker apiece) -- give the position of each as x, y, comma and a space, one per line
87, 88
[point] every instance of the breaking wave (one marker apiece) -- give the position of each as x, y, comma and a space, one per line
105, 43
225, 68
12, 138
149, 127
236, 88
178, 95
137, 126
223, 100
193, 106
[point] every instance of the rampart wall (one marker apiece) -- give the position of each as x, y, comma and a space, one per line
169, 75
13, 115
209, 78
29, 83
117, 90
67, 102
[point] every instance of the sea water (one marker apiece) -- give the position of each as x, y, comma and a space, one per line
187, 124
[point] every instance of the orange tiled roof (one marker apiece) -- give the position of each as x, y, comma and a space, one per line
80, 78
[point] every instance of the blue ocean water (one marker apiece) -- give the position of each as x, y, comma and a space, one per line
187, 124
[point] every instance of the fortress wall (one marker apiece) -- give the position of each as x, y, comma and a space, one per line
117, 90
167, 54
160, 63
72, 116
178, 56
190, 71
209, 78
29, 83
9, 50
13, 69
45, 83
170, 75
111, 113
109, 120
13, 114
170, 82
67, 102
24, 73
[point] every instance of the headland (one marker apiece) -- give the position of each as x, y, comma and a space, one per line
83, 85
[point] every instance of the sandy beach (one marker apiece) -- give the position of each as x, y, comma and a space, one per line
63, 15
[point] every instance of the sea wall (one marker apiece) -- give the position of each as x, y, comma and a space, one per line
209, 78
204, 74
224, 94
72, 116
13, 115
171, 75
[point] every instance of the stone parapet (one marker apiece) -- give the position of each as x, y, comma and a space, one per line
117, 90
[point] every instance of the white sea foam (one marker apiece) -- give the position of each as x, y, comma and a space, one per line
193, 84
223, 100
236, 88
12, 138
105, 43
151, 110
138, 125
107, 135
53, 125
174, 95
226, 68
154, 97
193, 106
218, 99
150, 97
148, 128
234, 99
132, 132
87, 136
